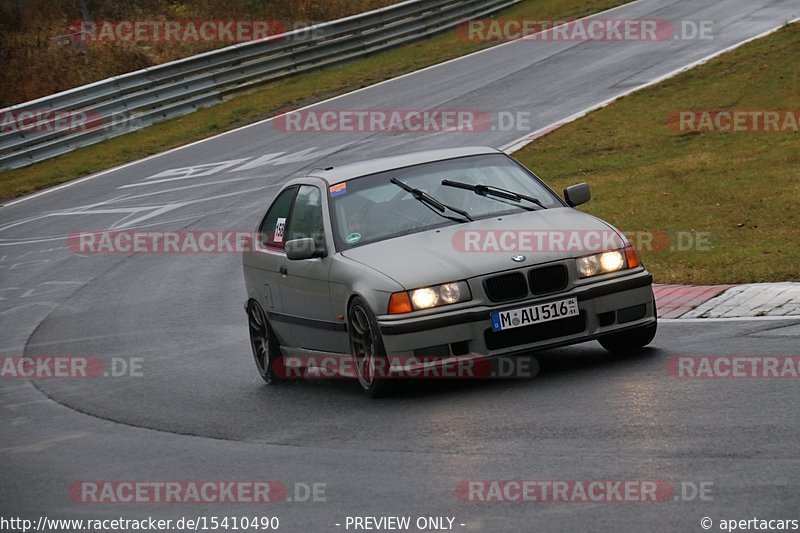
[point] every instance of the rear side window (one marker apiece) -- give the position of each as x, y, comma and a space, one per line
306, 218
273, 226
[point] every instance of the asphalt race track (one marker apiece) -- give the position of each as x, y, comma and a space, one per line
200, 411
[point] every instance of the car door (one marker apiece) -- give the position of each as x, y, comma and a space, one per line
305, 288
269, 257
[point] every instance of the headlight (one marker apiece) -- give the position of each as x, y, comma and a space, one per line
424, 298
612, 261
606, 262
428, 297
450, 293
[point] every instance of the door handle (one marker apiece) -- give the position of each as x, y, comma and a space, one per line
283, 270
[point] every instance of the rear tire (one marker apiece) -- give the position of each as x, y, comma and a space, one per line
630, 340
367, 349
266, 349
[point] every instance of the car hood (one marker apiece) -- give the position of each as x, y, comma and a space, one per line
463, 251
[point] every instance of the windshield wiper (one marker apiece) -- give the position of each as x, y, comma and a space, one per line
430, 201
489, 190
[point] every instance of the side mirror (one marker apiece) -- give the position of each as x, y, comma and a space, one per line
577, 194
299, 249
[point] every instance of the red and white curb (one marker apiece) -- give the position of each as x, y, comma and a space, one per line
752, 300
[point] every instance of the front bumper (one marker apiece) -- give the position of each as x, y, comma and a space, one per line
607, 306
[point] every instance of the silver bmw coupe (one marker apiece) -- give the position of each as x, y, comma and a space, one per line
436, 257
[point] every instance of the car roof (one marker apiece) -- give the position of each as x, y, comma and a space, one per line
338, 174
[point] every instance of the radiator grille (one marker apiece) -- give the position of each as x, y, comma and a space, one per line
506, 287
548, 279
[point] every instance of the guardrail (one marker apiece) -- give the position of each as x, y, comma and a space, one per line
132, 101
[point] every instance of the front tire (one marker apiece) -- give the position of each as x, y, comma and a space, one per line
630, 340
367, 349
266, 349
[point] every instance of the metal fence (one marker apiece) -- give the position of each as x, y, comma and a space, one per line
132, 101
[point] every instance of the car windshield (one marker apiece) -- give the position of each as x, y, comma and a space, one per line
372, 208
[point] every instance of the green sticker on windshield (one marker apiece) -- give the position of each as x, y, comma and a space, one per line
353, 238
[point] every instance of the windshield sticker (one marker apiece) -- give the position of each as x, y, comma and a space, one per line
353, 238
279, 225
339, 188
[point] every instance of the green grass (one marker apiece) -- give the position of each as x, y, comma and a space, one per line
742, 188
268, 100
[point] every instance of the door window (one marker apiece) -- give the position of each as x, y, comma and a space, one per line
273, 227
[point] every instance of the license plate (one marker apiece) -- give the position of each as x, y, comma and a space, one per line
534, 314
